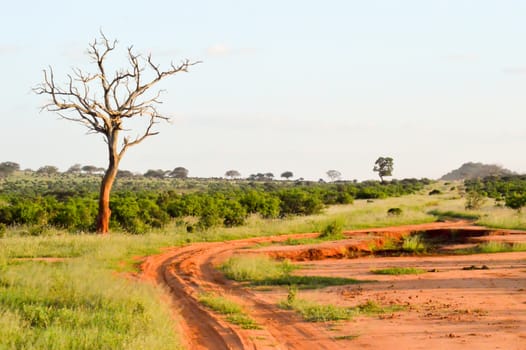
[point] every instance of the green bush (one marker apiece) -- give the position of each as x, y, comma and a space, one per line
516, 200
475, 200
394, 211
333, 230
299, 202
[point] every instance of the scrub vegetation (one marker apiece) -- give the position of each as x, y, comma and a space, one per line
81, 301
315, 312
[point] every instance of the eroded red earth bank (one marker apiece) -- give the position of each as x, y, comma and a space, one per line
449, 308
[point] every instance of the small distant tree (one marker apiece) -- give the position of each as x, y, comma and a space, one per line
516, 200
474, 200
287, 175
334, 175
104, 103
159, 173
8, 168
232, 174
179, 173
122, 174
269, 176
74, 169
48, 170
261, 177
384, 167
89, 169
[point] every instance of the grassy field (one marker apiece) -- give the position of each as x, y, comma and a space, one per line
85, 302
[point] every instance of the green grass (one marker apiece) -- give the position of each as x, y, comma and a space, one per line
331, 231
243, 321
398, 271
347, 337
81, 303
260, 270
315, 312
309, 282
255, 268
451, 214
302, 241
235, 313
220, 304
494, 247
414, 244
78, 305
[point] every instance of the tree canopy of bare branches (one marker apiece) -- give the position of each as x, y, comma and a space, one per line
103, 101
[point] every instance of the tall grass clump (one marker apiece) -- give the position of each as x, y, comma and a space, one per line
500, 247
398, 271
494, 247
233, 311
333, 230
255, 268
260, 270
414, 243
219, 304
315, 312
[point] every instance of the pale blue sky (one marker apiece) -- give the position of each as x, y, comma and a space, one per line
305, 86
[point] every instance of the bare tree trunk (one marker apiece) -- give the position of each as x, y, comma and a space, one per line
102, 103
103, 218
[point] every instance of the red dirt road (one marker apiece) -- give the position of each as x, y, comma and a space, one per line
449, 308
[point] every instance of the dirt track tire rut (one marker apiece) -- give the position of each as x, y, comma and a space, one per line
188, 271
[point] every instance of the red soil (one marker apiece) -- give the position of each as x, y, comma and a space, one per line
450, 308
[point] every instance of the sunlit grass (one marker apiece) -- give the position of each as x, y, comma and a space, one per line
414, 244
255, 268
224, 306
315, 312
82, 304
398, 271
260, 270
494, 247
79, 305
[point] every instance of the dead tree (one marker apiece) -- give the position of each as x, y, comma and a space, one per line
104, 102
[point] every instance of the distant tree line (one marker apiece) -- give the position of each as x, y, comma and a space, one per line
509, 189
138, 206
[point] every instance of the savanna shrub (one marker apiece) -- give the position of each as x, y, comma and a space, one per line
234, 214
474, 200
299, 202
516, 201
333, 230
394, 211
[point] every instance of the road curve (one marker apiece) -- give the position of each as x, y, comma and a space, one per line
187, 271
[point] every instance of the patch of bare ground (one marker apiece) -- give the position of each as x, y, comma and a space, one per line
445, 308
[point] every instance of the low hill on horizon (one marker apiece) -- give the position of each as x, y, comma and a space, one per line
473, 170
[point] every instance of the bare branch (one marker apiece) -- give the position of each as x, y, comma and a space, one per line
102, 102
